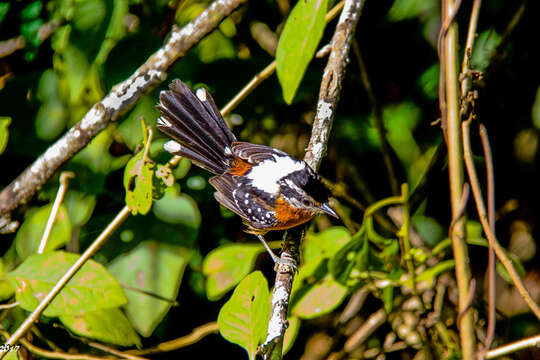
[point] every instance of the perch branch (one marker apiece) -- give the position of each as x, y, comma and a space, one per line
90, 251
450, 112
121, 98
328, 100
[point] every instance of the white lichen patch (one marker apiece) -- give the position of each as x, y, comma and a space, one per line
324, 110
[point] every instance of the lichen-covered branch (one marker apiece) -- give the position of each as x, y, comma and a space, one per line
327, 104
121, 98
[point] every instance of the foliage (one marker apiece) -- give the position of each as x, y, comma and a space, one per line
180, 260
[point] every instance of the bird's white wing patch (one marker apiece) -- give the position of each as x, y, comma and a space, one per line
266, 175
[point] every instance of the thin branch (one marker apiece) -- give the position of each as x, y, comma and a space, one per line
9, 306
121, 98
90, 251
533, 341
64, 182
328, 100
197, 334
466, 63
378, 116
54, 354
8, 47
368, 327
450, 112
490, 332
113, 351
482, 215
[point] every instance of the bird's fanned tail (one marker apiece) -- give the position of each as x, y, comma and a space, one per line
197, 127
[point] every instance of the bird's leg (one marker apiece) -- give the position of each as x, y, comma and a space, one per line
277, 259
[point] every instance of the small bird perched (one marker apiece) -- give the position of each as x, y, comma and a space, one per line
268, 188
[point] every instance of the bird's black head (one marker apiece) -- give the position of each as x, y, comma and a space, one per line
304, 188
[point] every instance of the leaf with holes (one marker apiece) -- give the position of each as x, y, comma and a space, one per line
226, 266
298, 42
154, 268
138, 180
244, 318
107, 325
91, 288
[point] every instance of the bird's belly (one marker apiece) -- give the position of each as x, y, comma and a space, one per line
288, 216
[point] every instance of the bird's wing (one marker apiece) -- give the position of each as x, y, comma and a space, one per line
241, 198
253, 153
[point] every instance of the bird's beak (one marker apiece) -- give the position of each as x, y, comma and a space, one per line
328, 210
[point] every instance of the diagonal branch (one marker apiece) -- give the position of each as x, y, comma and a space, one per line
121, 98
328, 100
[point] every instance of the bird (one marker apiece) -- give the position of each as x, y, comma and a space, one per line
268, 188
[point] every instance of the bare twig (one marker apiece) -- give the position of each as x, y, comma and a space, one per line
53, 354
8, 47
370, 325
490, 332
9, 306
482, 215
121, 98
466, 63
379, 122
327, 104
113, 351
197, 334
64, 180
513, 347
33, 317
450, 113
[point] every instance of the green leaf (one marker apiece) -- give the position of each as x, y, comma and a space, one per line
130, 128
324, 244
429, 229
12, 355
406, 9
215, 46
501, 270
77, 71
6, 288
155, 268
244, 318
107, 325
176, 208
80, 207
226, 266
116, 30
138, 176
321, 299
4, 132
353, 254
91, 288
31, 11
291, 333
484, 46
89, 14
298, 43
535, 111
29, 235
4, 8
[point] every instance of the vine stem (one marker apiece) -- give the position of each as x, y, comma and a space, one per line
451, 113
482, 215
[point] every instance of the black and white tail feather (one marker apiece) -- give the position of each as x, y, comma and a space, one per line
197, 127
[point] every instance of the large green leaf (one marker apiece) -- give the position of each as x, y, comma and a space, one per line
177, 208
244, 318
91, 288
324, 244
226, 266
80, 207
107, 325
29, 235
155, 268
138, 176
298, 43
321, 299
